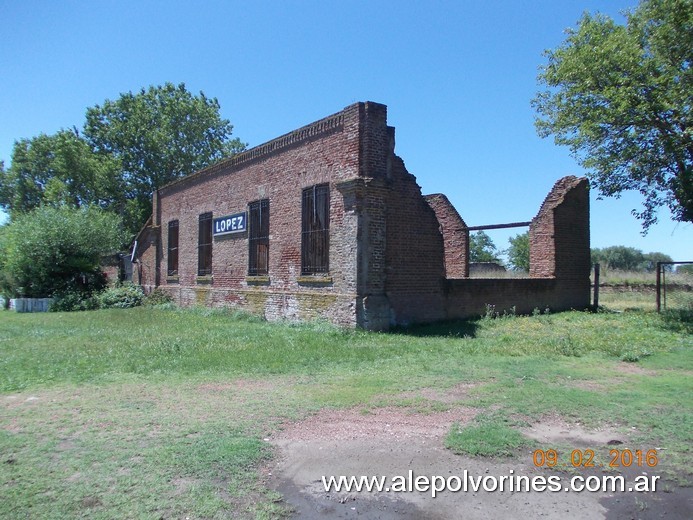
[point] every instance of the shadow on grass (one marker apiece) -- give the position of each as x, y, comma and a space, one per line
445, 329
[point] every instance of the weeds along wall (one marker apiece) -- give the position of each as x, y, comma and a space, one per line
392, 255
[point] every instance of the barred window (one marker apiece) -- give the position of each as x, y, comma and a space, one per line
204, 245
258, 237
315, 226
173, 248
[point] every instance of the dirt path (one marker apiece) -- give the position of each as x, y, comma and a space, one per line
391, 441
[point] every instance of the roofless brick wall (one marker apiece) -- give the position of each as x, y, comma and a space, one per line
392, 256
559, 262
559, 234
455, 236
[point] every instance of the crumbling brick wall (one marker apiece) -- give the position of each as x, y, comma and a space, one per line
559, 234
559, 262
455, 236
415, 252
146, 267
393, 254
559, 240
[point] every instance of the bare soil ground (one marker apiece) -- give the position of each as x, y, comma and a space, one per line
393, 440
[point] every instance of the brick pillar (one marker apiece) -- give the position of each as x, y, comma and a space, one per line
559, 236
559, 240
365, 240
455, 236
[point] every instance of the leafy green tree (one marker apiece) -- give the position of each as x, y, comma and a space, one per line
651, 259
621, 258
620, 97
158, 135
59, 169
53, 249
518, 252
597, 257
482, 248
5, 283
4, 190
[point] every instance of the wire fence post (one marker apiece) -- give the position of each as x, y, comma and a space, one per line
659, 286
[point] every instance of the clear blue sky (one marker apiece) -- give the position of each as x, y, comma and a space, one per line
457, 77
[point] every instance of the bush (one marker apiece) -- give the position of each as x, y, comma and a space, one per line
68, 301
121, 297
53, 252
79, 292
157, 297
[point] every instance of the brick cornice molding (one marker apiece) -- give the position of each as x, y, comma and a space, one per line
327, 125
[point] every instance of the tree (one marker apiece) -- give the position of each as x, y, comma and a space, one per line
4, 191
620, 97
624, 258
53, 249
5, 283
59, 169
482, 248
651, 259
518, 252
619, 257
158, 135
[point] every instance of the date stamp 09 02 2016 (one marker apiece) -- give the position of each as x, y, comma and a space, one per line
619, 458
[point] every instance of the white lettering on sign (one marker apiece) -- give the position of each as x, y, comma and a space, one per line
230, 224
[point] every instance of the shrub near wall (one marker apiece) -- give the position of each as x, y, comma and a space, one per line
122, 297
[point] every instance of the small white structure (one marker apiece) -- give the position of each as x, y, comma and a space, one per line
30, 304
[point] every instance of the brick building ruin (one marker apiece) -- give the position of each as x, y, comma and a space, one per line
325, 222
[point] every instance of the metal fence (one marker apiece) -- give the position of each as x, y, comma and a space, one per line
674, 286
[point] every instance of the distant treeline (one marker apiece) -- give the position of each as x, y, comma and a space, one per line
624, 258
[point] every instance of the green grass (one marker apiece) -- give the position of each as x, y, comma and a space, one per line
488, 436
628, 300
636, 290
150, 413
45, 349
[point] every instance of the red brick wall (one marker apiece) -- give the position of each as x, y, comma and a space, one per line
455, 236
470, 297
390, 249
559, 240
559, 262
145, 270
415, 259
324, 152
110, 266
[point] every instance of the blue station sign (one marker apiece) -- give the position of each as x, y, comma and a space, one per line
235, 223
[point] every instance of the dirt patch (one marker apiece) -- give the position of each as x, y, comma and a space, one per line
456, 394
553, 430
390, 423
13, 426
237, 385
15, 401
391, 442
633, 368
183, 485
90, 502
590, 386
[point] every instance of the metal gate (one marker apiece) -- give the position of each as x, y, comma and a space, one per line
674, 286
